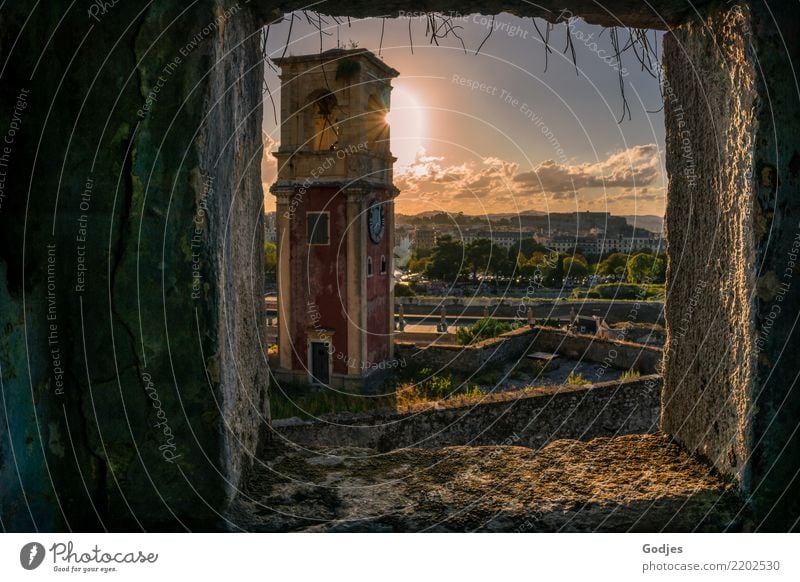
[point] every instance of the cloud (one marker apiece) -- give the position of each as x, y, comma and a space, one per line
626, 180
430, 178
634, 167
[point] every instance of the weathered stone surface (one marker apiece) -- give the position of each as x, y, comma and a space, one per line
529, 419
131, 244
659, 15
732, 134
709, 98
628, 483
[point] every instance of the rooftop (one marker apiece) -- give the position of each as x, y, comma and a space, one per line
338, 54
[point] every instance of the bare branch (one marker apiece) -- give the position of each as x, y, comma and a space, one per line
491, 30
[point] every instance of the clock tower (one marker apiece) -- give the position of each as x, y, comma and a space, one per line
335, 220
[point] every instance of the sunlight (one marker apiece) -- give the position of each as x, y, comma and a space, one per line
406, 119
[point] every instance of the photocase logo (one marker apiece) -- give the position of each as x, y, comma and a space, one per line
31, 555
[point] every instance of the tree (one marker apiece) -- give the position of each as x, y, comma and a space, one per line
574, 267
270, 262
419, 261
645, 268
446, 259
477, 255
416, 265
501, 264
554, 276
527, 247
615, 263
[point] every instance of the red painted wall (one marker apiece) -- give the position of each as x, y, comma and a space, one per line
319, 279
319, 276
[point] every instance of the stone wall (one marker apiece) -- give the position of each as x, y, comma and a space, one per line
611, 311
588, 348
491, 352
733, 155
580, 412
709, 100
129, 336
511, 346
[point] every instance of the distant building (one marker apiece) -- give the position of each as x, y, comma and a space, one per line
575, 223
598, 245
635, 243
424, 238
502, 238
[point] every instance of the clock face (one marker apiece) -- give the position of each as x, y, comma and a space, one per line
376, 221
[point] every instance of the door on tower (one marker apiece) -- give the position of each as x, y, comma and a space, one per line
320, 363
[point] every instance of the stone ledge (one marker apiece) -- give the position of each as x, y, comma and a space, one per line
526, 419
641, 483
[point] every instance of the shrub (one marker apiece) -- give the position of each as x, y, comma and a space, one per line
485, 328
579, 293
473, 392
629, 291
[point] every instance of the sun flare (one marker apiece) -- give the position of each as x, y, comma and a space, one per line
406, 120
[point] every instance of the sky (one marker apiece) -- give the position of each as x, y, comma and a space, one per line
494, 132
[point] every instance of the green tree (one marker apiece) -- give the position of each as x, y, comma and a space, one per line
645, 268
554, 275
270, 262
527, 247
477, 255
574, 267
615, 263
446, 259
501, 264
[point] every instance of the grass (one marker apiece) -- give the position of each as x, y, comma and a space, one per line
630, 375
425, 387
576, 379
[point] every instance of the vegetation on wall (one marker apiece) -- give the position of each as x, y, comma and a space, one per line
485, 328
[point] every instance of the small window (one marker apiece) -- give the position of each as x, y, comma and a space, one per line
318, 229
369, 266
383, 264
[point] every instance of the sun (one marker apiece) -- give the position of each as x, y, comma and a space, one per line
406, 120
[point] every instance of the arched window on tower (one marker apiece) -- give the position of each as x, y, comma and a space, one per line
383, 264
323, 124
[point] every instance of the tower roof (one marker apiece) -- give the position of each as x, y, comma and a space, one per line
338, 54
